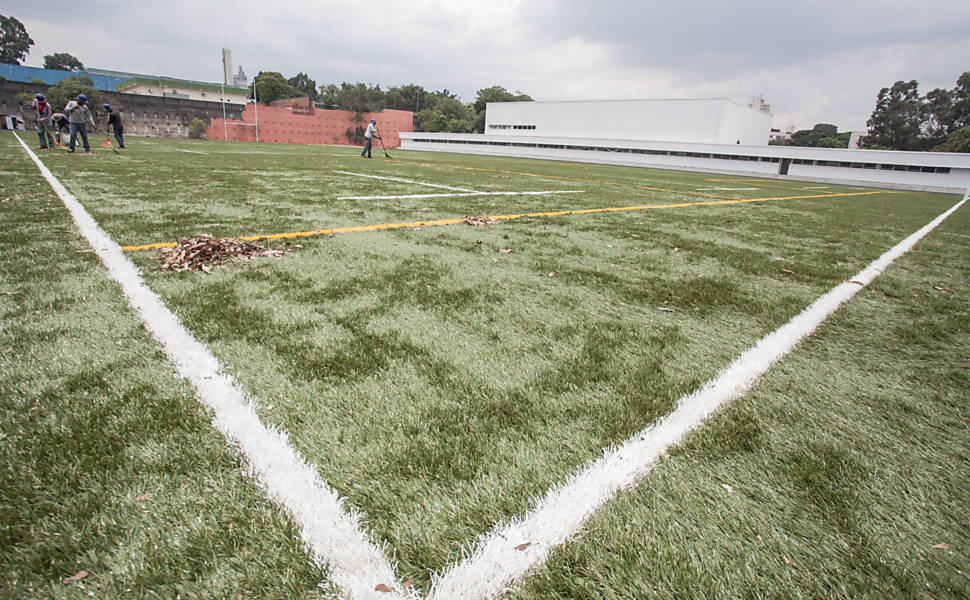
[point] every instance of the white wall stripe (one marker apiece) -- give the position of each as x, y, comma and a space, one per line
399, 179
496, 565
332, 534
407, 196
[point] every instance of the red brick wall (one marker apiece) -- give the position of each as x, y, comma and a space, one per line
283, 124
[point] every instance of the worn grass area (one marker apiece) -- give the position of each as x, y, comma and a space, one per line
442, 378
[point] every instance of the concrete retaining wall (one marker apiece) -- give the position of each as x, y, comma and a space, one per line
930, 171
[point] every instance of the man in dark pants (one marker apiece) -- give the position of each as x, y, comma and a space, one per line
369, 135
114, 120
61, 126
79, 115
43, 120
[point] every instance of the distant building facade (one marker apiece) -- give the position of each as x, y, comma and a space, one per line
183, 89
240, 79
777, 135
706, 121
758, 103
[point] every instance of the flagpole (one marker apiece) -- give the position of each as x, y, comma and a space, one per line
225, 125
255, 109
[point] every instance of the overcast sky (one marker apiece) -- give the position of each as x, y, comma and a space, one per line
814, 60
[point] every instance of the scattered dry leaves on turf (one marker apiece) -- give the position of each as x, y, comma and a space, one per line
480, 221
199, 252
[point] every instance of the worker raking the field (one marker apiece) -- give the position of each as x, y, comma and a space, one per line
80, 116
369, 134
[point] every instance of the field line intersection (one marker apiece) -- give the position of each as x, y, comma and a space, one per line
462, 294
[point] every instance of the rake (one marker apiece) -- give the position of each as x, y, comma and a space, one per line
107, 144
382, 142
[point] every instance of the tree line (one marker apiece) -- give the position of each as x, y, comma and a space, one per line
905, 120
433, 110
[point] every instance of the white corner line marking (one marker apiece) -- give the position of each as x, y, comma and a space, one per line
399, 179
333, 535
409, 196
500, 559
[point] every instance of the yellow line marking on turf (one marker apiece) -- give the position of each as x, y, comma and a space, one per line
453, 221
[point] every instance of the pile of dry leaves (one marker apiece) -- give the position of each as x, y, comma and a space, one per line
480, 221
203, 252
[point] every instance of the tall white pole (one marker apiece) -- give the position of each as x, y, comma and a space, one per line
256, 110
225, 125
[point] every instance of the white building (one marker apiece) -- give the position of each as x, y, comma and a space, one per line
181, 88
703, 121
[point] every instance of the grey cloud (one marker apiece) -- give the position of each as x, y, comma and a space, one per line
708, 37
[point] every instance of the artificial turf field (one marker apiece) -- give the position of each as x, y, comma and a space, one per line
442, 378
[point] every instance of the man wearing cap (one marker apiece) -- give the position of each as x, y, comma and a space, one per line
368, 137
114, 119
79, 115
61, 125
43, 120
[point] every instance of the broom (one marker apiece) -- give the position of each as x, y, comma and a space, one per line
382, 142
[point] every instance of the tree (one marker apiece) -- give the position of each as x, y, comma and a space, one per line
822, 135
410, 97
271, 85
66, 90
430, 119
359, 98
807, 137
453, 108
960, 97
62, 61
496, 93
840, 140
197, 128
302, 82
958, 141
14, 41
828, 129
937, 116
328, 95
896, 120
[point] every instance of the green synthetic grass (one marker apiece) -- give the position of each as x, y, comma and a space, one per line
442, 378
108, 463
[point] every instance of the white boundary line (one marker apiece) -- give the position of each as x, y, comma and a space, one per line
434, 185
458, 194
496, 563
333, 534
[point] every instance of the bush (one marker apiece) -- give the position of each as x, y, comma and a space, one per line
66, 90
197, 128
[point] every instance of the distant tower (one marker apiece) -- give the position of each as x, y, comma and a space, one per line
227, 66
758, 103
240, 79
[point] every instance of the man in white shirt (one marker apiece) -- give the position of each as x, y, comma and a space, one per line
80, 116
368, 137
